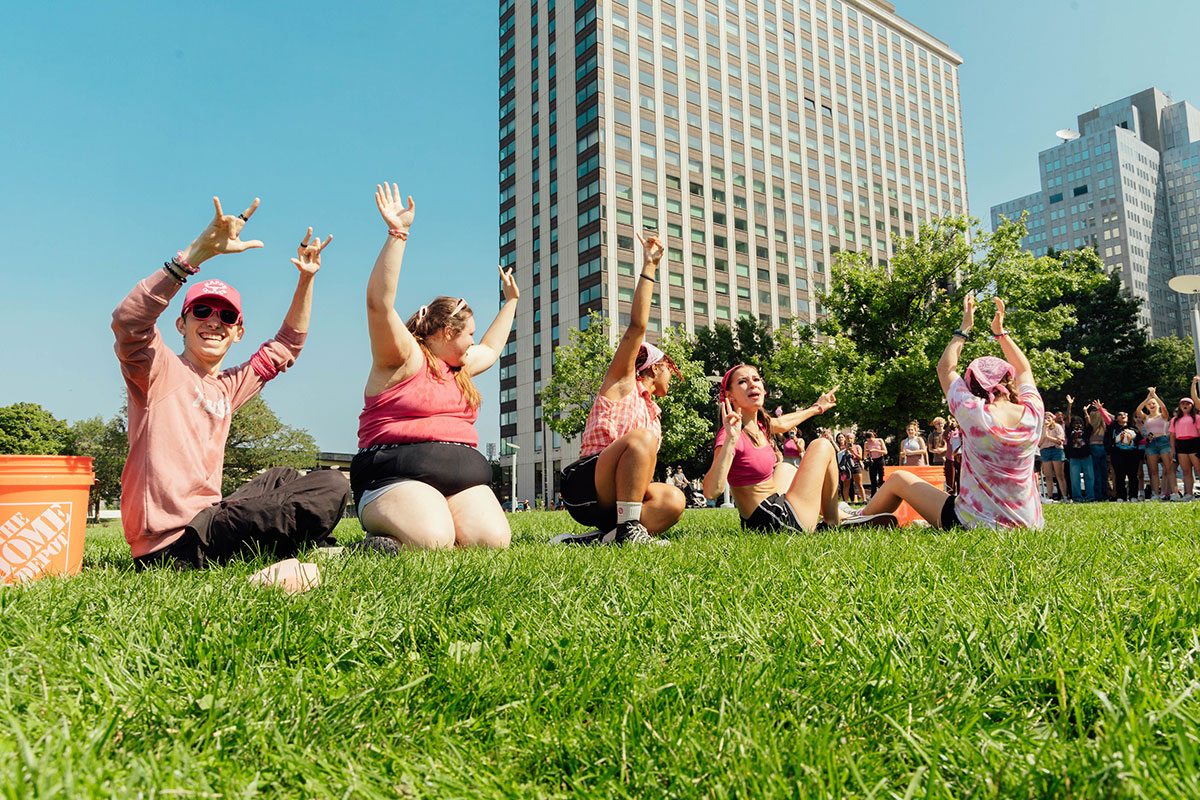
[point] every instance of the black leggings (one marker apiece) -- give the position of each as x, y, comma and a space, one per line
1125, 467
875, 469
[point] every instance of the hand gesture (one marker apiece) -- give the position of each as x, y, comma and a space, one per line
827, 400
1151, 391
308, 254
1097, 404
1070, 400
998, 320
221, 235
731, 420
511, 292
968, 320
392, 209
652, 253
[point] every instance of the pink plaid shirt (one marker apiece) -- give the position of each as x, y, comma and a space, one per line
609, 421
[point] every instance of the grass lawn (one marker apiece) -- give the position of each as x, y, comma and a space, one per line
1058, 663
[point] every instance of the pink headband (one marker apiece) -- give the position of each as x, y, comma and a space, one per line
725, 382
989, 372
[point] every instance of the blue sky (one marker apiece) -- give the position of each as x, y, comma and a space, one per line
121, 120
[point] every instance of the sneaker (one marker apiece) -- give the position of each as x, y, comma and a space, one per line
1119, 500
633, 532
374, 545
1048, 500
1175, 498
847, 510
873, 520
1187, 498
580, 539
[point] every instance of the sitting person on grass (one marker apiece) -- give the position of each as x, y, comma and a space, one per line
611, 486
418, 479
180, 407
1000, 413
770, 497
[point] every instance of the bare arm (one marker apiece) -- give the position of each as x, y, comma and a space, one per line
308, 261
718, 473
1196, 391
484, 354
785, 423
392, 345
947, 368
622, 372
1012, 353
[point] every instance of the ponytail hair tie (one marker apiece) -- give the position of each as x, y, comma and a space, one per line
422, 312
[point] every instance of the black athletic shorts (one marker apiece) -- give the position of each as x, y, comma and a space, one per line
773, 514
446, 466
579, 495
949, 518
1190, 445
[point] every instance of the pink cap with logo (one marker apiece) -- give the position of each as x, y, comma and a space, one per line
218, 294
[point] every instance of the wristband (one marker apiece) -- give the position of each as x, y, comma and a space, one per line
647, 277
1000, 335
399, 234
963, 334
184, 265
169, 268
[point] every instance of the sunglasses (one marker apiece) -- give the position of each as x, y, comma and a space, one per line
226, 315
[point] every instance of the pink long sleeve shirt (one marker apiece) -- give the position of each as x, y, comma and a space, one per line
178, 417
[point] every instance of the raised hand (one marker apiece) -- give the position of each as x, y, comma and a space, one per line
998, 320
308, 254
968, 320
511, 292
827, 400
221, 235
392, 208
652, 253
731, 419
1151, 391
1070, 400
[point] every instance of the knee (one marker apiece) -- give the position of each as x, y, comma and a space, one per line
673, 501
642, 442
821, 448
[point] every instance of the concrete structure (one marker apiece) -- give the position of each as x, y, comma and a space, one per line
1129, 187
758, 137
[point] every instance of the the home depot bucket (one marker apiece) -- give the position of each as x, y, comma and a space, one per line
43, 514
906, 514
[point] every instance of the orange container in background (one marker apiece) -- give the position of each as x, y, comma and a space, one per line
43, 515
906, 513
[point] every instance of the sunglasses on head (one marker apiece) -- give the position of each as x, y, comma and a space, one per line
226, 315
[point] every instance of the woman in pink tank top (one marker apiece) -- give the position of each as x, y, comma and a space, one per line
418, 480
772, 497
1155, 421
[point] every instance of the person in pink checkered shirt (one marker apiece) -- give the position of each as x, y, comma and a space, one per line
611, 486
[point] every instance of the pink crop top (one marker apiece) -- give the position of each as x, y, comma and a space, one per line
751, 465
419, 409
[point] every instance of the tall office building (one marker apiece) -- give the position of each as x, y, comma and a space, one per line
758, 137
1128, 186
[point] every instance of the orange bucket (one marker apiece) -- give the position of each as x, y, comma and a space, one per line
43, 515
906, 513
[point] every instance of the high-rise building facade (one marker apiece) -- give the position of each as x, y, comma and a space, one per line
1127, 186
757, 137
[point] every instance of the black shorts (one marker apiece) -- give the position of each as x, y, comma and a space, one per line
773, 514
578, 490
1190, 445
949, 518
446, 466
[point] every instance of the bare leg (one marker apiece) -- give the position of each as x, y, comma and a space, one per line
1152, 466
858, 486
414, 514
1060, 475
814, 489
479, 521
624, 472
925, 498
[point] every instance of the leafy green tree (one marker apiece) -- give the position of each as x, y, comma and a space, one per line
579, 369
1170, 365
747, 341
258, 440
887, 326
107, 444
29, 429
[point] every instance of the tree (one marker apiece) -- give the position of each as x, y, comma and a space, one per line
107, 444
579, 369
29, 429
887, 327
258, 440
748, 341
1170, 365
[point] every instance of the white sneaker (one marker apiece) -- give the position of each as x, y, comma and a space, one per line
1118, 500
873, 520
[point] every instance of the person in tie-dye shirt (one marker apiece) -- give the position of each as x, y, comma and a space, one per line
1000, 414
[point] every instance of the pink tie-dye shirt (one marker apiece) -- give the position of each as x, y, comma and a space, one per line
997, 488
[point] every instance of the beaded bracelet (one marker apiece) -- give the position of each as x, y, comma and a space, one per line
1000, 335
399, 234
962, 334
170, 269
184, 265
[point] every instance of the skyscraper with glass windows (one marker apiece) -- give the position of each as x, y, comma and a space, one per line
758, 137
1129, 187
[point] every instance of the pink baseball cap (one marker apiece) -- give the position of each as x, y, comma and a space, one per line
649, 355
215, 293
990, 372
1186, 400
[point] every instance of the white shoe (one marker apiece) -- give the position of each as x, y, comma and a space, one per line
1046, 500
1118, 500
873, 520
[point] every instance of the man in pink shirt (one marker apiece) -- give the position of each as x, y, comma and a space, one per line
180, 407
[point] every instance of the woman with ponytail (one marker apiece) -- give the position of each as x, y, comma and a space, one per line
418, 479
1001, 414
